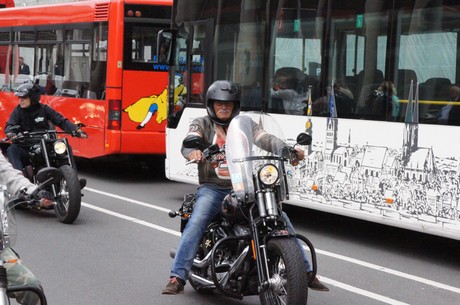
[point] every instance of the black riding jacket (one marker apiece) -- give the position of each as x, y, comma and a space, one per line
36, 117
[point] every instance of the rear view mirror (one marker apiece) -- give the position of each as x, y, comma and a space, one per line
195, 142
304, 139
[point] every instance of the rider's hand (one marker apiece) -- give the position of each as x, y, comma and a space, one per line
81, 134
296, 154
195, 155
46, 198
11, 135
300, 153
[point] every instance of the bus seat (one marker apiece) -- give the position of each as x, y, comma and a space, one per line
70, 93
404, 78
89, 94
377, 78
41, 79
441, 87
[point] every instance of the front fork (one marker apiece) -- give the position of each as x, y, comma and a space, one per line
260, 252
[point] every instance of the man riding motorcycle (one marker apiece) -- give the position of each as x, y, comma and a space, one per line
30, 115
222, 104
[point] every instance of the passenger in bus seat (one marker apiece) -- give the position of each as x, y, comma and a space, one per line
449, 114
288, 90
382, 103
223, 104
344, 101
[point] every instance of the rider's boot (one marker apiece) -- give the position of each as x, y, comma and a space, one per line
82, 183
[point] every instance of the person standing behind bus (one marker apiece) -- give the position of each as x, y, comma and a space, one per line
23, 68
222, 104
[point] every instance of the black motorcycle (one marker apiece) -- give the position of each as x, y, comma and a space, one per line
248, 249
53, 151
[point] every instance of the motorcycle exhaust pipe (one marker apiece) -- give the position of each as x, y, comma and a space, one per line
196, 262
202, 281
200, 264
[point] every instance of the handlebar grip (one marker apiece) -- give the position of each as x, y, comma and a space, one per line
173, 214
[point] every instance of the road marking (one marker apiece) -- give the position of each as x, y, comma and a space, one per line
324, 279
334, 255
362, 292
132, 219
144, 204
390, 271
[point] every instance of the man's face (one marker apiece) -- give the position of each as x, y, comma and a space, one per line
24, 102
223, 110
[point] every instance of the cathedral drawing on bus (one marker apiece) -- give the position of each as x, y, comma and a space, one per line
407, 183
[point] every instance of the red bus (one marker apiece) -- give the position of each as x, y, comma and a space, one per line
95, 62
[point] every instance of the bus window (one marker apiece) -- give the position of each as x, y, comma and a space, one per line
428, 51
297, 60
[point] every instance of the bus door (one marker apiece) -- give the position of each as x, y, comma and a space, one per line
191, 57
144, 90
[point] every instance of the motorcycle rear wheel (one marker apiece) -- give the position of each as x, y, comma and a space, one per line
287, 274
69, 196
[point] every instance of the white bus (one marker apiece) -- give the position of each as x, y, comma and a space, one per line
389, 149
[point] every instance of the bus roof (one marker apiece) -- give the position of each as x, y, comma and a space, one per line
69, 12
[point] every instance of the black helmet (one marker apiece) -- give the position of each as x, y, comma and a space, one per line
223, 90
29, 90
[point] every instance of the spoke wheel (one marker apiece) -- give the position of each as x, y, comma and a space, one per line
288, 283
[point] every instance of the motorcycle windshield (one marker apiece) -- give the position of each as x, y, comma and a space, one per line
250, 137
7, 223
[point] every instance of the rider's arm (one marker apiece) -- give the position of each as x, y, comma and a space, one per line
59, 120
13, 179
196, 128
12, 121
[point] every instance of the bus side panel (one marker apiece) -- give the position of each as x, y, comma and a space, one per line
144, 112
175, 167
90, 112
355, 168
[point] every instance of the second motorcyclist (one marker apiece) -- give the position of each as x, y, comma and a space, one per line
223, 104
31, 115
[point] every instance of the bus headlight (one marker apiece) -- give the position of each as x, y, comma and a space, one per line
60, 147
268, 174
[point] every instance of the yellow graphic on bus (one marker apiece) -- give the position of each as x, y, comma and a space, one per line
143, 109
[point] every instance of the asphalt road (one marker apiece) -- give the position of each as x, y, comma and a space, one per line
117, 252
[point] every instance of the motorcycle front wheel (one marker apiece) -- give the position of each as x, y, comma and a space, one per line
288, 280
68, 191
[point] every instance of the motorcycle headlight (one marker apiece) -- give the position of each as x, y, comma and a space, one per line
268, 174
60, 147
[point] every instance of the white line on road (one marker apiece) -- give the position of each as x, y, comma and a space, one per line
334, 255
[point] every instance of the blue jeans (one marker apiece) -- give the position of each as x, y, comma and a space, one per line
207, 206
